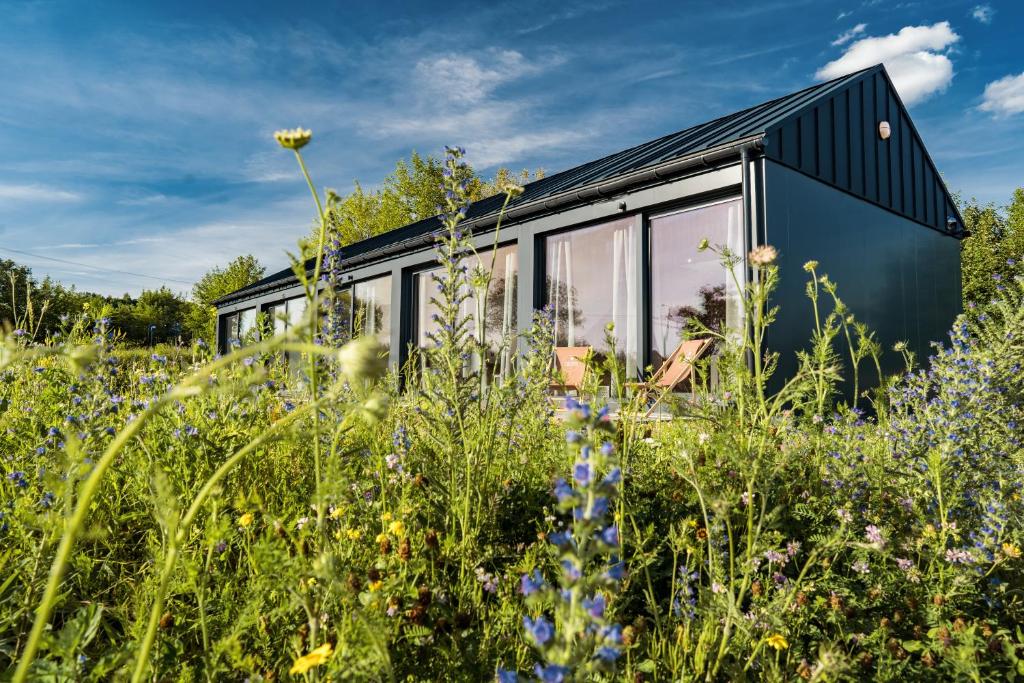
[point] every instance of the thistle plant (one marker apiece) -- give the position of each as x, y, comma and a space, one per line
580, 640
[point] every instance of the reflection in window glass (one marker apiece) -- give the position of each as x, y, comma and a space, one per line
229, 331
687, 283
239, 328
500, 316
591, 279
246, 324
339, 317
371, 309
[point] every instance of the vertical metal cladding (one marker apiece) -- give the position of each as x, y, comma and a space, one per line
835, 139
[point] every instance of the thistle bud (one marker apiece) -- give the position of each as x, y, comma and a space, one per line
362, 359
296, 138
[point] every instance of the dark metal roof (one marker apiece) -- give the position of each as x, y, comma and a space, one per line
753, 123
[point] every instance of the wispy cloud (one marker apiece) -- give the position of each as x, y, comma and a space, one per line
1004, 97
982, 13
13, 192
848, 35
916, 58
569, 12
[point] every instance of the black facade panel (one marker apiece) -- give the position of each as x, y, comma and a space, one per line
856, 141
825, 139
907, 166
837, 141
900, 278
808, 142
895, 148
883, 147
870, 132
841, 140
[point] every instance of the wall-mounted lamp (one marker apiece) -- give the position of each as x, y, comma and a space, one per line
884, 131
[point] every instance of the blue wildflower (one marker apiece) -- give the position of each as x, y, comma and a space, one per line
531, 584
552, 673
539, 629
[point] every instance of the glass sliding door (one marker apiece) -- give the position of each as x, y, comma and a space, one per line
688, 284
371, 309
591, 277
498, 311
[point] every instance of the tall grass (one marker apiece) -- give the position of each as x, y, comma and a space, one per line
182, 517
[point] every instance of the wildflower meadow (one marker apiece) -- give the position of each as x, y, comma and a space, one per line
294, 510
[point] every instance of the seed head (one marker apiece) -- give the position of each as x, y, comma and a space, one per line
296, 138
763, 255
362, 359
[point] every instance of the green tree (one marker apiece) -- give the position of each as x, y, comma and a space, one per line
201, 317
412, 192
996, 242
15, 288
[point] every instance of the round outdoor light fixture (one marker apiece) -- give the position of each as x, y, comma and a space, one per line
884, 131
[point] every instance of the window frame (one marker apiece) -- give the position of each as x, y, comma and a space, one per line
692, 204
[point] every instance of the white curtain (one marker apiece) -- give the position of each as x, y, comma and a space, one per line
507, 311
734, 317
368, 304
624, 307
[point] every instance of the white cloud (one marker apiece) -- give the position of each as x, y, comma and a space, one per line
983, 13
915, 58
842, 15
1005, 96
467, 80
36, 193
480, 101
848, 35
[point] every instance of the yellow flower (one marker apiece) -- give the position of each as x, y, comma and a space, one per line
397, 527
354, 534
1011, 551
381, 537
386, 517
777, 641
296, 139
375, 586
929, 530
810, 265
314, 658
337, 512
245, 520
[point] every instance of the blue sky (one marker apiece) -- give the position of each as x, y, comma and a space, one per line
137, 136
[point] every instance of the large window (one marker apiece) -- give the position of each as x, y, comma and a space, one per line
239, 328
591, 279
687, 283
500, 313
371, 309
287, 314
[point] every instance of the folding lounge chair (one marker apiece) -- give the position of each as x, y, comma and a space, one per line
570, 367
677, 368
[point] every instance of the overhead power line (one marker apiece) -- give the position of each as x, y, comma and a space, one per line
100, 268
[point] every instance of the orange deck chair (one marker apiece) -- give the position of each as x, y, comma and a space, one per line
570, 367
676, 369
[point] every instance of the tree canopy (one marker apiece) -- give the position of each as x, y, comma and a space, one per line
241, 272
412, 192
995, 248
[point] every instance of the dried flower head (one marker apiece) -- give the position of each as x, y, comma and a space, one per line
763, 255
362, 359
296, 138
810, 266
